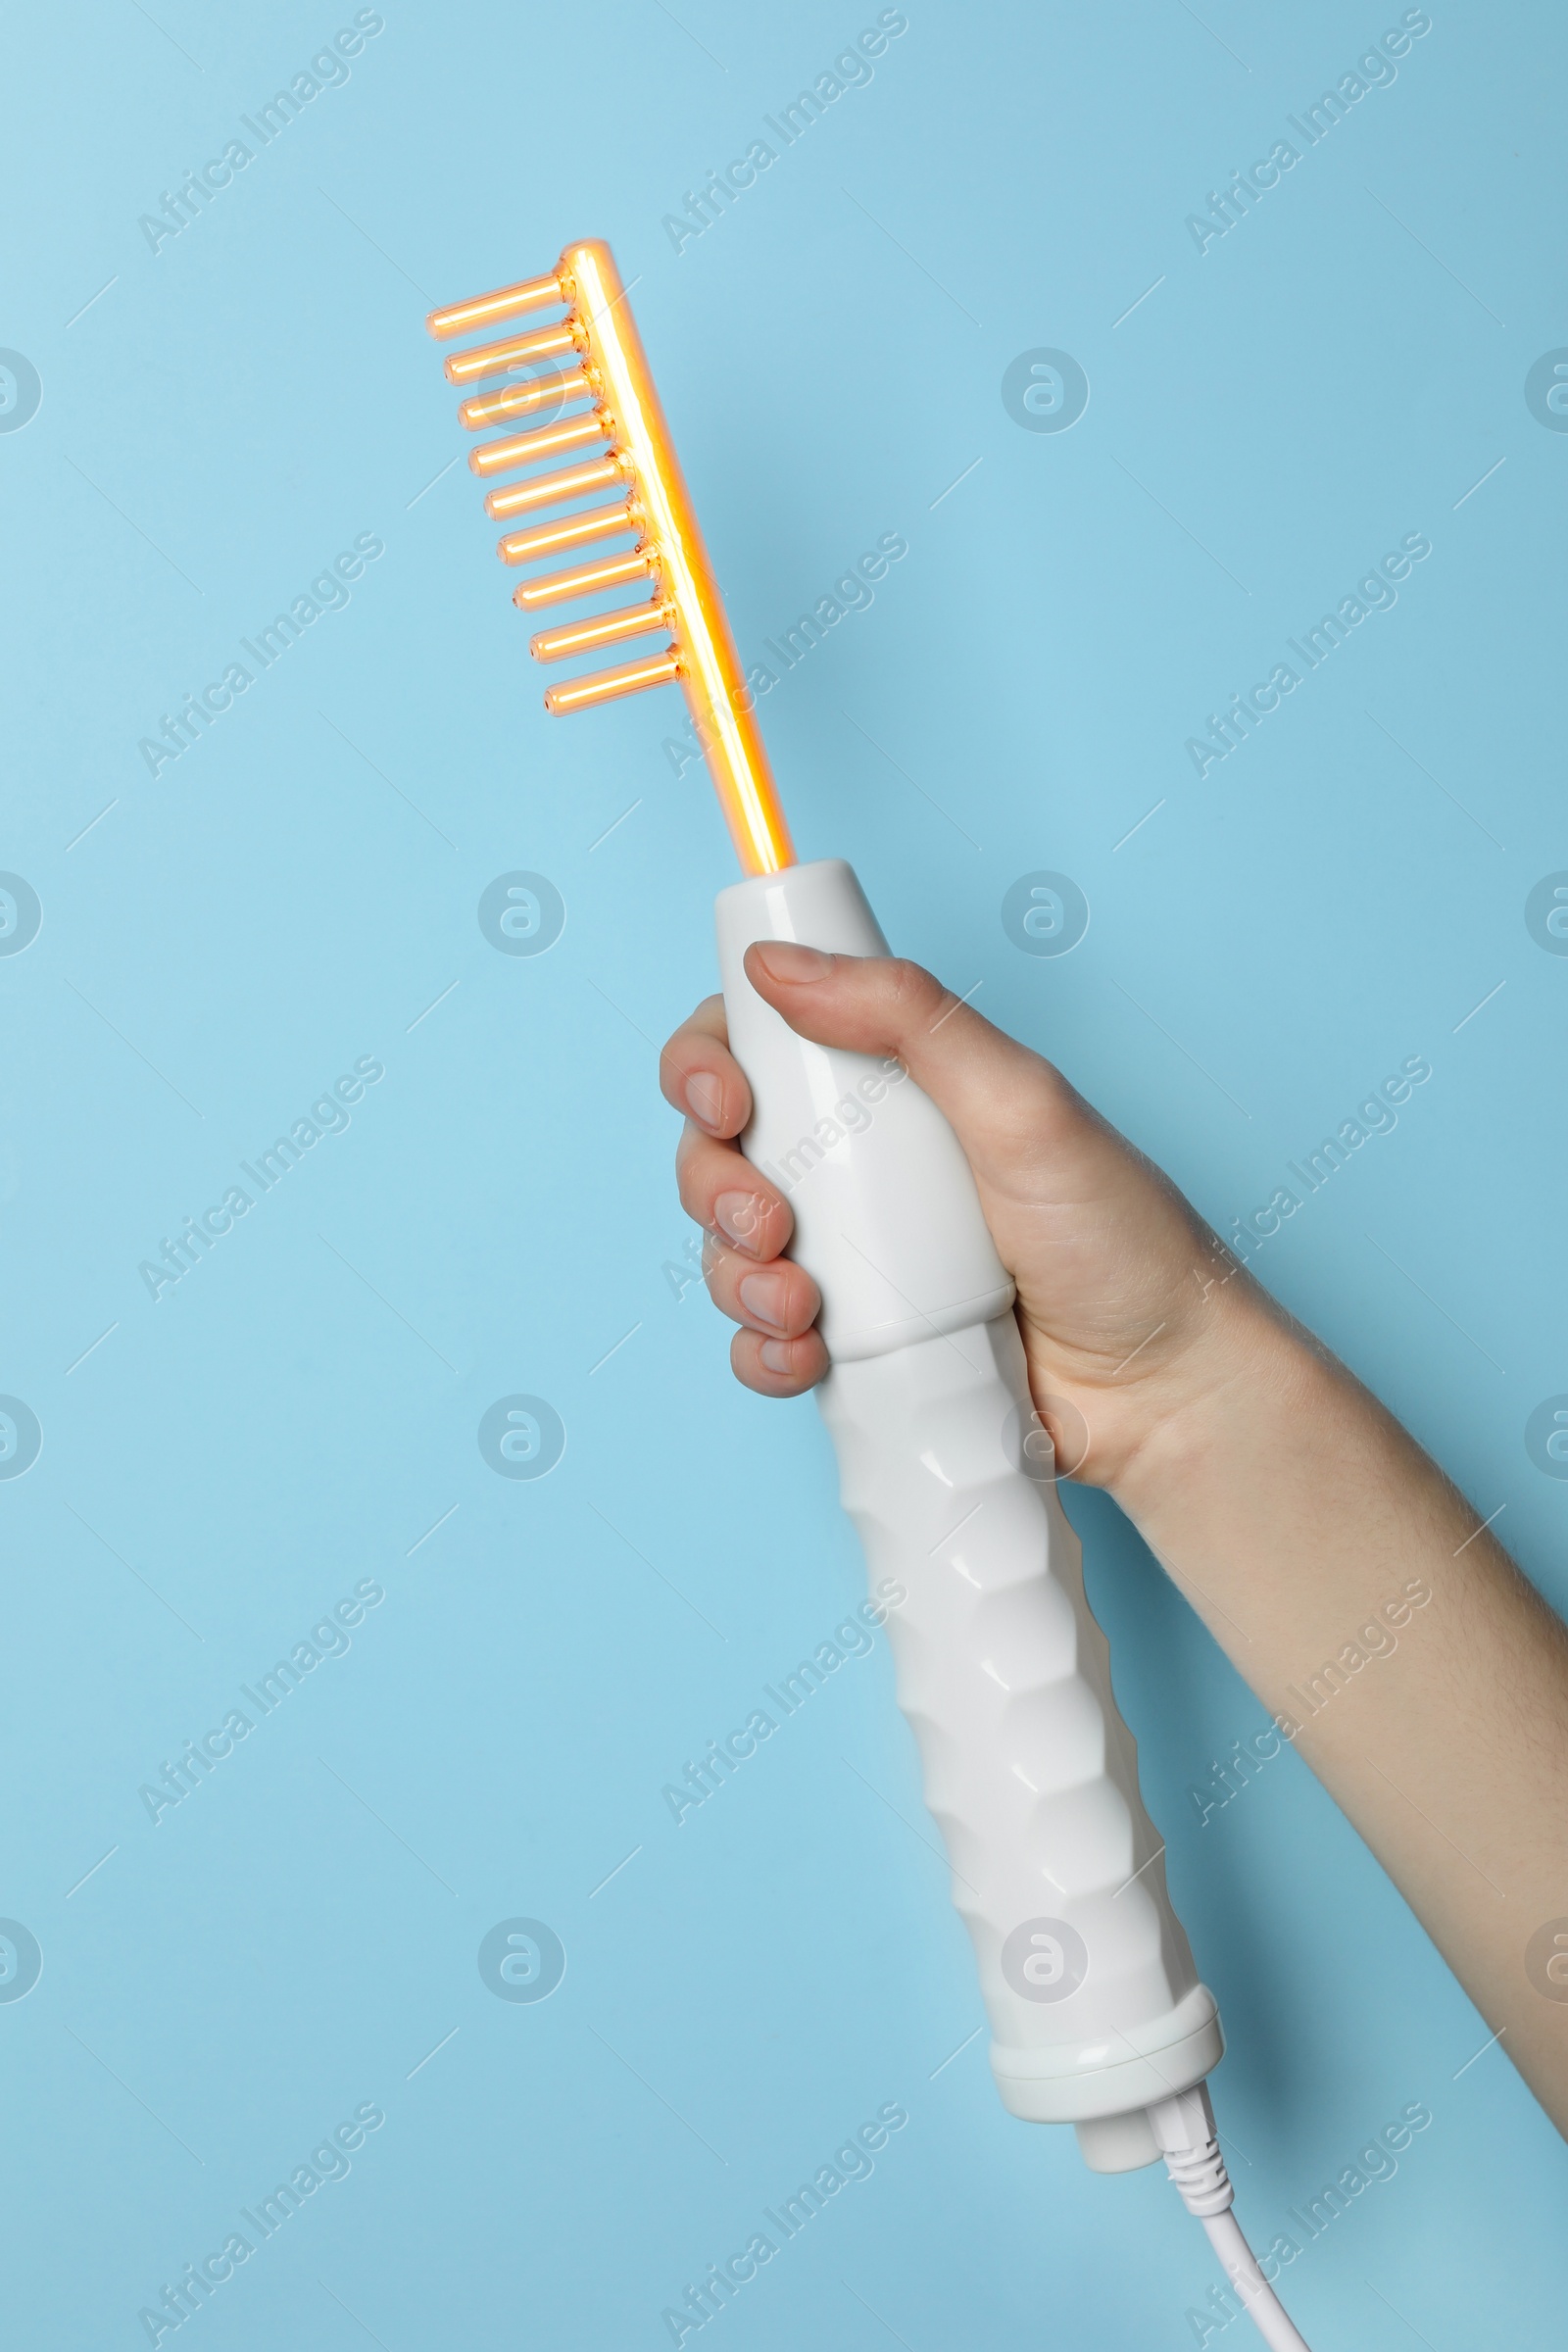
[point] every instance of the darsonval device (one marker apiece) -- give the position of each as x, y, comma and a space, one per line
1097, 2012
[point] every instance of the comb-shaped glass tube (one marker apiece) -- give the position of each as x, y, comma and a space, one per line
711, 674
613, 371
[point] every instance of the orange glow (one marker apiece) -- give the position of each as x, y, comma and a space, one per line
668, 549
509, 302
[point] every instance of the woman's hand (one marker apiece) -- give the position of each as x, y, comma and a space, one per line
1297, 1517
1130, 1308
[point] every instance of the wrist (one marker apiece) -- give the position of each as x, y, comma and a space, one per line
1244, 1366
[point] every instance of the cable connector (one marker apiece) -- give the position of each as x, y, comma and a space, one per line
1183, 2127
1184, 2130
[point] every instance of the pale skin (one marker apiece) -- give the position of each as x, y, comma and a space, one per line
1284, 1502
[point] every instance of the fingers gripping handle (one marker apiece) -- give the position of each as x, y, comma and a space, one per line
886, 1216
1003, 1673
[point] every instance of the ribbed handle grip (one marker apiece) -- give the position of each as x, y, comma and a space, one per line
1094, 2005
1029, 1771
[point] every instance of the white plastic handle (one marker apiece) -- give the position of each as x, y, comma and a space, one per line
1094, 2005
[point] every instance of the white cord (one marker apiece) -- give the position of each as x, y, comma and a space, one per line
1252, 2290
1183, 2127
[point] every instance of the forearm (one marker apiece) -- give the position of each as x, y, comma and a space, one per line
1304, 1526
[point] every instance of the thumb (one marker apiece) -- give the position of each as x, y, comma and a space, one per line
1000, 1099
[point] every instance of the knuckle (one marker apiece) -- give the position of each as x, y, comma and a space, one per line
911, 989
721, 1291
691, 1190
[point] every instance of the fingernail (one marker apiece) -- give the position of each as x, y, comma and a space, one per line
763, 1296
784, 960
738, 1215
705, 1097
775, 1355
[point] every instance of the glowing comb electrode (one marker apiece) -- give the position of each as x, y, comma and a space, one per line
1097, 2012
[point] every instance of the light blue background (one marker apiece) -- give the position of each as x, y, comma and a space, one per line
225, 416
